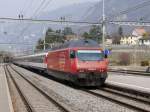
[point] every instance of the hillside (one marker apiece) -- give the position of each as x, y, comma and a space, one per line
90, 11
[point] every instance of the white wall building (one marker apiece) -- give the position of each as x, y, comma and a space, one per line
134, 38
144, 41
129, 40
109, 41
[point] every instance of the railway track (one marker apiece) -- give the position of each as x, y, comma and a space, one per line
125, 97
24, 99
129, 98
29, 107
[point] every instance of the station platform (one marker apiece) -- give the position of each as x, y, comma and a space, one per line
5, 99
141, 83
134, 68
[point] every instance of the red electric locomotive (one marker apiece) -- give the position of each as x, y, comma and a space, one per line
79, 61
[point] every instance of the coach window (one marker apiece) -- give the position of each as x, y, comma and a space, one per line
72, 54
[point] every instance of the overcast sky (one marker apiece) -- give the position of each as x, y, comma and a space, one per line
11, 8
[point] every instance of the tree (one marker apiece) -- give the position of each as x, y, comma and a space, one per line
145, 35
116, 38
59, 36
40, 44
67, 31
54, 37
95, 33
120, 31
124, 59
50, 38
85, 35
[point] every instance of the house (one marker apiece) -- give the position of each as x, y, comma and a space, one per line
129, 40
133, 39
144, 41
138, 32
109, 41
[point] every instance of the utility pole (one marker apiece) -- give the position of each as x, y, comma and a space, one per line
103, 26
44, 33
135, 53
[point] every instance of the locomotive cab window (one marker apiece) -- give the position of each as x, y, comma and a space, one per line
90, 55
72, 54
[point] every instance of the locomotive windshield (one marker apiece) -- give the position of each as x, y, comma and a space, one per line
90, 55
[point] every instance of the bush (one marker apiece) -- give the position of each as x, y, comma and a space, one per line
144, 63
124, 59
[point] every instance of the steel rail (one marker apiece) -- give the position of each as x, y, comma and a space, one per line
117, 101
129, 96
24, 99
146, 95
61, 106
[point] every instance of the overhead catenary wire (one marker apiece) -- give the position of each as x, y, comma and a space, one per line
77, 23
45, 6
34, 14
47, 21
23, 44
38, 8
24, 6
26, 10
25, 28
130, 9
145, 17
131, 23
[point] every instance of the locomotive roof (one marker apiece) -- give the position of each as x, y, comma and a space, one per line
79, 43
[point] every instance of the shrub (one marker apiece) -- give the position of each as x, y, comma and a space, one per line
144, 63
124, 59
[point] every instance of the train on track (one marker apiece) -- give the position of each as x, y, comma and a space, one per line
82, 62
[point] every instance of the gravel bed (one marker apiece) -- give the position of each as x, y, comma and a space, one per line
125, 100
76, 98
18, 104
140, 83
38, 102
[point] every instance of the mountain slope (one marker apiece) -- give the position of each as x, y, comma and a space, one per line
90, 11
